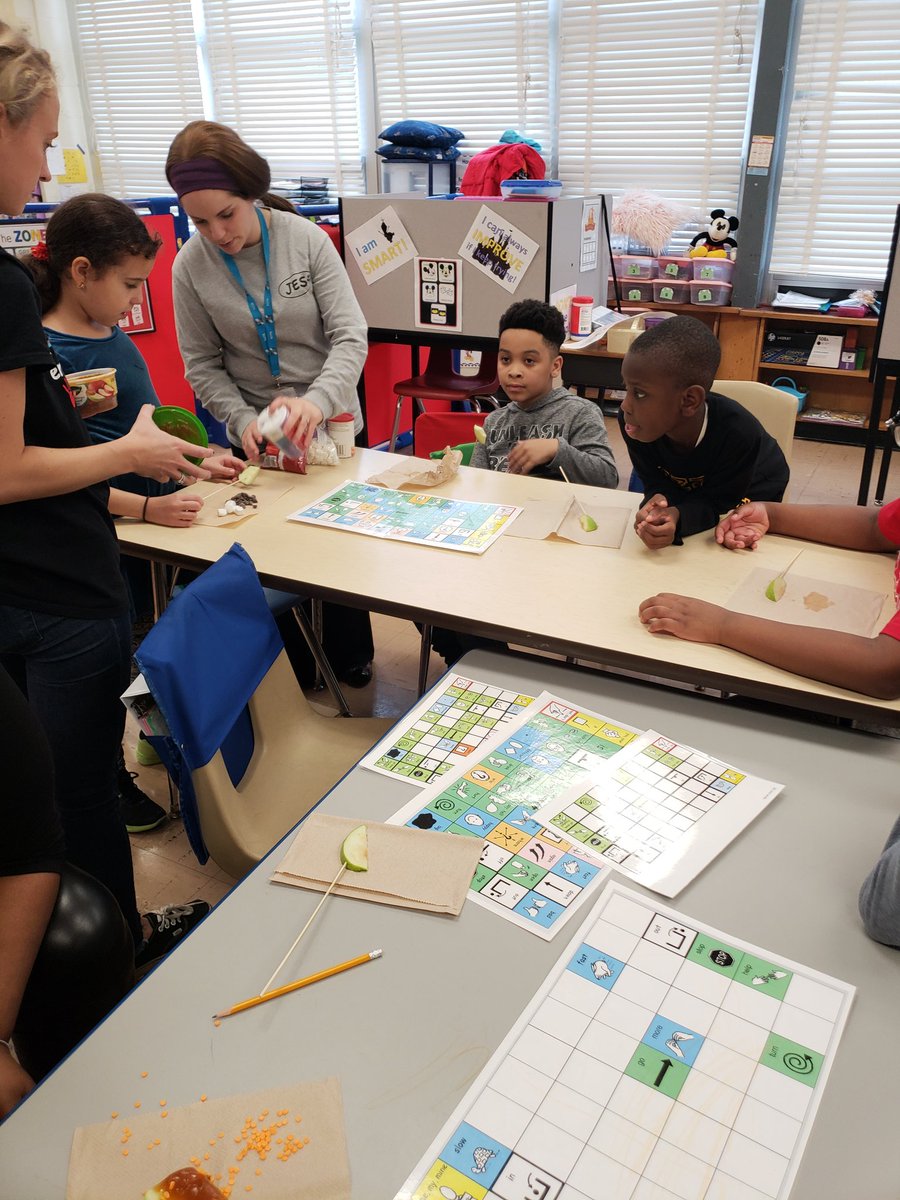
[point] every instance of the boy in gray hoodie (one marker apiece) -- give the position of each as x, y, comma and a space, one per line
544, 430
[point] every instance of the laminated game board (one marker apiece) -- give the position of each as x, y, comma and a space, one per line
659, 1058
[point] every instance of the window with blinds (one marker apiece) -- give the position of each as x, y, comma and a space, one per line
481, 66
142, 81
655, 96
283, 73
840, 183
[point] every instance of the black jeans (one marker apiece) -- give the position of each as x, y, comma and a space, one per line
73, 672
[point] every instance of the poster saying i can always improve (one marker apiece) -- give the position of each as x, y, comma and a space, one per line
498, 249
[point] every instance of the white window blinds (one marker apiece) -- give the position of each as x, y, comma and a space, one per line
283, 73
140, 72
478, 65
840, 183
655, 96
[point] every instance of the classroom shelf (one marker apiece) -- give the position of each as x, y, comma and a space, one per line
798, 368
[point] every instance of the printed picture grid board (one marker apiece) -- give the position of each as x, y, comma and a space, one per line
528, 874
660, 1060
429, 520
445, 730
660, 812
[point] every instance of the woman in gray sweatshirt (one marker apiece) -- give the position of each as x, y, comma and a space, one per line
264, 309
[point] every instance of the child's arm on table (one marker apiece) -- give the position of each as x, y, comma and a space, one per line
176, 509
867, 665
845, 525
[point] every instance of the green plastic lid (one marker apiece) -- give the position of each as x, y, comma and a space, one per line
181, 424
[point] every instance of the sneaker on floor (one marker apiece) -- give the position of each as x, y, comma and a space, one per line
141, 814
168, 926
144, 754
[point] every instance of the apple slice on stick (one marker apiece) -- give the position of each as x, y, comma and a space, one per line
354, 857
586, 521
778, 586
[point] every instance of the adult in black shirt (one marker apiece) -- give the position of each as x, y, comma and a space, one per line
64, 624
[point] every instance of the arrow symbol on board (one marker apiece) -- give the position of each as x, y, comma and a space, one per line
666, 1063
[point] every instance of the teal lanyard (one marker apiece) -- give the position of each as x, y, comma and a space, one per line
265, 320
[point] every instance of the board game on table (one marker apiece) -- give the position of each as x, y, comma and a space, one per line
467, 525
660, 1060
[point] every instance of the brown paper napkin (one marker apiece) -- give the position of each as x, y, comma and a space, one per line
407, 867
99, 1170
418, 473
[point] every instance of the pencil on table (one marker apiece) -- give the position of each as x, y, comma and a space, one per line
297, 984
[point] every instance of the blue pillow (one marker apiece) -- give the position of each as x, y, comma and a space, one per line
392, 153
424, 134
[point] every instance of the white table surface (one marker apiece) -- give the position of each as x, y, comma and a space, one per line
549, 595
408, 1034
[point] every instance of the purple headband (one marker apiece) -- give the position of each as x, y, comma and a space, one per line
200, 175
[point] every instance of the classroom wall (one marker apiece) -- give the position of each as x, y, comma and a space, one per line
47, 23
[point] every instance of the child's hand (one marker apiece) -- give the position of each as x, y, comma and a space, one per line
656, 523
178, 510
157, 455
251, 440
683, 617
743, 528
531, 453
224, 466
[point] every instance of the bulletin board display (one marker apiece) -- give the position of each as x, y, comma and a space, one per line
488, 253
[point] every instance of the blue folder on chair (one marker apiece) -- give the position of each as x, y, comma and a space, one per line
203, 660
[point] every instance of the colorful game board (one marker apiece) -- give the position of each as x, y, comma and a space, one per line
466, 525
528, 874
660, 1059
448, 727
660, 812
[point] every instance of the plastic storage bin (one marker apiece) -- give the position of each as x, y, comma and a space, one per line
639, 290
672, 291
708, 291
635, 266
622, 335
531, 189
676, 268
719, 269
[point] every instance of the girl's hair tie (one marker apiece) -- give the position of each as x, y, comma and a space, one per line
40, 252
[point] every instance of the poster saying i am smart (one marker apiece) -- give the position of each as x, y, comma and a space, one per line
503, 252
380, 245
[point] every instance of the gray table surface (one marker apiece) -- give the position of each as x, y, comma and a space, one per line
408, 1034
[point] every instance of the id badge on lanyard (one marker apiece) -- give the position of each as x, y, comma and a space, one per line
265, 320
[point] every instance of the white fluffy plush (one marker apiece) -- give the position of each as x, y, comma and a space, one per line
649, 218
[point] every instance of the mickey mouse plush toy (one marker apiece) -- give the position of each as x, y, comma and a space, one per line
714, 240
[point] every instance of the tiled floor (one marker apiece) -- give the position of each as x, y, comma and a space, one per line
166, 870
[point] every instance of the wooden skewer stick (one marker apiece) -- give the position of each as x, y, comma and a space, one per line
331, 887
588, 524
781, 574
297, 984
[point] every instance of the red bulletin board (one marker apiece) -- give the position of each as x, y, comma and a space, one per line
159, 345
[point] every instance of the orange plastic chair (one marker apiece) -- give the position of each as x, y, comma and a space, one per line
435, 431
440, 382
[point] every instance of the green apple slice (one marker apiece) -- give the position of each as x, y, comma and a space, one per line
587, 522
249, 474
480, 435
355, 849
776, 588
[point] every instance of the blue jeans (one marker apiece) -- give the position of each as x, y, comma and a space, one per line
879, 898
73, 672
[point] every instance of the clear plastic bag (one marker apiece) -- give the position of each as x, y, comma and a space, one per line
321, 451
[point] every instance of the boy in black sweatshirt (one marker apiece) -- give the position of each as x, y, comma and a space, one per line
698, 454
